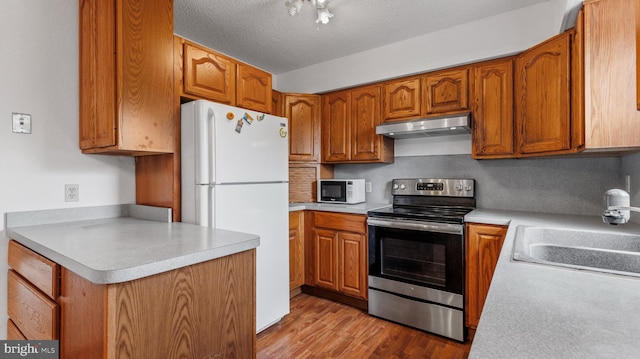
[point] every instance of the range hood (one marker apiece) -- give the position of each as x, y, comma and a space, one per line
428, 127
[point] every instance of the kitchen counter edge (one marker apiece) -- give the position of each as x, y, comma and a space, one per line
359, 208
96, 242
535, 311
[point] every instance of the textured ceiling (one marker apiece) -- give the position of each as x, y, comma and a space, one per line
261, 32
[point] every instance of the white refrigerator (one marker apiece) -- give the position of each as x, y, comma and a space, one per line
235, 176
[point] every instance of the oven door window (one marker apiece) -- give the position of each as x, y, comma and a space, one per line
429, 259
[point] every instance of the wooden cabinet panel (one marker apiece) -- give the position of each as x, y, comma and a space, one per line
209, 75
253, 88
296, 249
341, 221
208, 308
484, 243
446, 91
303, 180
402, 99
349, 127
35, 314
353, 274
126, 77
340, 253
277, 103
365, 116
543, 100
612, 119
336, 127
326, 259
13, 333
303, 112
43, 273
493, 120
638, 53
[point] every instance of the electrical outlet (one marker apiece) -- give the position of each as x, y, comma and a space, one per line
367, 187
627, 183
71, 192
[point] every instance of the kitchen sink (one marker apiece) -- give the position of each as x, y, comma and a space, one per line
599, 251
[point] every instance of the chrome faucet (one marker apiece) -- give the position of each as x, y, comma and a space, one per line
617, 209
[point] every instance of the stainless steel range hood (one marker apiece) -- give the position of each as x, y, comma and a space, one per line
428, 127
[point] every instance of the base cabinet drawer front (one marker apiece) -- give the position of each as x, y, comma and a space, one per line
340, 221
13, 333
38, 270
35, 314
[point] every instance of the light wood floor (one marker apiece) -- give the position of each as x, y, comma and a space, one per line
319, 328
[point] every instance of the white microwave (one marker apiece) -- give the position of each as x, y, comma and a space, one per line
348, 191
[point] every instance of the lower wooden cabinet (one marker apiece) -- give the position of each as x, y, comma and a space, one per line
199, 311
32, 294
484, 243
339, 253
296, 249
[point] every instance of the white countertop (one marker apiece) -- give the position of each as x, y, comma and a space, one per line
119, 249
540, 311
359, 208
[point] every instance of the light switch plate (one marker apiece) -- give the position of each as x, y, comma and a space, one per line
21, 122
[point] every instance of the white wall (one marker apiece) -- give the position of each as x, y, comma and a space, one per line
39, 72
493, 37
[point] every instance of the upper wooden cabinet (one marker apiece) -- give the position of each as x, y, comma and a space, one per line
336, 127
253, 88
403, 99
543, 112
492, 105
638, 53
349, 127
126, 77
612, 120
209, 75
303, 112
446, 91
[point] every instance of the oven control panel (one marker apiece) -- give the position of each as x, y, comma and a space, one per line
451, 187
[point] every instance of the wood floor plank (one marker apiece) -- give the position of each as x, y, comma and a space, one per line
318, 328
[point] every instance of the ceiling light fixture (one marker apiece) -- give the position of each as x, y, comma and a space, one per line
294, 6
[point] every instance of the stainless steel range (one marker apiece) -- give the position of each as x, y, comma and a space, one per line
416, 255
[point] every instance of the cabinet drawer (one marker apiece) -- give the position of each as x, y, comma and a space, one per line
40, 271
13, 333
35, 315
340, 221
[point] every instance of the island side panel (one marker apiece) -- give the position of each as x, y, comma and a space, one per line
202, 310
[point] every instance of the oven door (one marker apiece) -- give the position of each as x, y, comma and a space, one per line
422, 254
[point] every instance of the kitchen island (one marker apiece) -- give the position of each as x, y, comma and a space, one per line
133, 284
542, 311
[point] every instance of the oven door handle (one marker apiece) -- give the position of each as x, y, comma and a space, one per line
417, 226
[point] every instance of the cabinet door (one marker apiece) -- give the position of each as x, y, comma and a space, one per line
365, 116
303, 112
97, 47
336, 127
253, 88
209, 75
446, 91
402, 99
543, 114
484, 243
493, 121
296, 249
126, 77
326, 259
352, 268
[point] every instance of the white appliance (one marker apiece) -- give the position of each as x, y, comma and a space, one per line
235, 176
